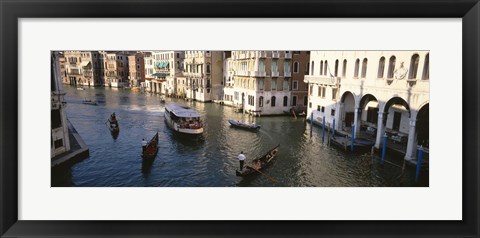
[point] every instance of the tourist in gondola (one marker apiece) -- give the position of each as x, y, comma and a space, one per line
241, 158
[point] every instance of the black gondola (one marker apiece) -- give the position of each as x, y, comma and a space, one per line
151, 148
113, 124
244, 125
259, 163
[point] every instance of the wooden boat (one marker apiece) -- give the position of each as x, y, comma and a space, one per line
151, 148
89, 102
258, 163
113, 124
241, 125
183, 119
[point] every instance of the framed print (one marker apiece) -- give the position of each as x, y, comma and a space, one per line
313, 118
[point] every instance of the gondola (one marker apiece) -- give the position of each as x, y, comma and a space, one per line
113, 124
241, 125
89, 102
151, 149
259, 163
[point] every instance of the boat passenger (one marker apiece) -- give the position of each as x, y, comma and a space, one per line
241, 158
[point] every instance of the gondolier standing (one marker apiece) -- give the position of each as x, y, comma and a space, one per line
144, 144
241, 158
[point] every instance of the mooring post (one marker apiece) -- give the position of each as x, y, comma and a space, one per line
333, 128
419, 162
323, 129
384, 146
353, 136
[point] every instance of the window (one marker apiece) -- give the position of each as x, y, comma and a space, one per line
295, 85
295, 67
56, 119
321, 67
319, 91
326, 67
311, 90
426, 66
261, 65
286, 66
273, 101
324, 89
357, 65
260, 84
294, 100
336, 68
391, 67
310, 105
285, 101
260, 101
208, 68
332, 112
364, 68
318, 108
334, 93
58, 143
323, 109
344, 68
274, 84
381, 67
305, 100
313, 67
414, 66
285, 85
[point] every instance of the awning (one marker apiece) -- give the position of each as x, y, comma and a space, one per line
162, 64
84, 64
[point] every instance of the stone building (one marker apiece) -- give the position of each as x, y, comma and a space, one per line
377, 92
116, 69
300, 68
203, 76
166, 65
60, 141
261, 81
136, 65
82, 68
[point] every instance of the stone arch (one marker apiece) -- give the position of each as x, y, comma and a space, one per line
347, 109
394, 119
371, 113
422, 125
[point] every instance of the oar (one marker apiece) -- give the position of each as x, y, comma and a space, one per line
273, 180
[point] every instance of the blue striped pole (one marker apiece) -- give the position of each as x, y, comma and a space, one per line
323, 129
353, 136
419, 162
333, 128
311, 123
384, 146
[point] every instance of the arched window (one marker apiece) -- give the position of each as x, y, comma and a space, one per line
326, 67
295, 67
357, 66
364, 68
426, 68
313, 67
336, 68
285, 101
414, 66
381, 67
260, 101
344, 69
391, 67
321, 67
273, 101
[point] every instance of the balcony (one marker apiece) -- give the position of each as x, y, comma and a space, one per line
325, 80
258, 73
275, 74
288, 55
287, 74
275, 55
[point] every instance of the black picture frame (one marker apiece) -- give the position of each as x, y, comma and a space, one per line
11, 11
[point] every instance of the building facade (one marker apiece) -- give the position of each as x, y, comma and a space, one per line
82, 68
59, 141
375, 92
300, 68
203, 76
136, 65
115, 69
166, 65
262, 81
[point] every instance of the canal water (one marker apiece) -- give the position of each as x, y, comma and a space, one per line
210, 160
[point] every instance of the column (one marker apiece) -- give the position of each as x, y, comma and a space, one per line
410, 154
338, 121
356, 121
380, 130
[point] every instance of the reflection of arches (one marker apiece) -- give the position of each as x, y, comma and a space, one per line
422, 125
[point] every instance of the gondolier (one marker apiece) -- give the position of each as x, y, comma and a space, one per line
241, 158
144, 144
